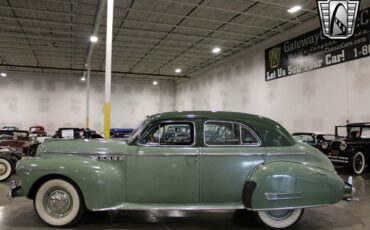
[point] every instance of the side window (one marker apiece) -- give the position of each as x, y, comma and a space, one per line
170, 134
221, 133
248, 138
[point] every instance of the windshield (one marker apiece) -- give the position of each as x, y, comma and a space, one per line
136, 133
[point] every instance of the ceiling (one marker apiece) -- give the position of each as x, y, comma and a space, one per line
150, 37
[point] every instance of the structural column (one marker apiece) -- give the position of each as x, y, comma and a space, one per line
88, 97
108, 68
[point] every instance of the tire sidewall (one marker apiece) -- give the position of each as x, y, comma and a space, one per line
77, 203
354, 170
9, 169
270, 223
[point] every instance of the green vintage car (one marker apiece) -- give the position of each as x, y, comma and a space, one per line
183, 160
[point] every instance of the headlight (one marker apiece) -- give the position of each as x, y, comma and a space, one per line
324, 145
342, 146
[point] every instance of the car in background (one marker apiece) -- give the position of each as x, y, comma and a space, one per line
352, 146
319, 140
123, 133
76, 133
183, 160
37, 131
10, 128
15, 139
8, 160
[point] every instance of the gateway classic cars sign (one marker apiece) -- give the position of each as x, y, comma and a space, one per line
314, 50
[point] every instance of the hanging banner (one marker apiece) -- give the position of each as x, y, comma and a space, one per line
313, 50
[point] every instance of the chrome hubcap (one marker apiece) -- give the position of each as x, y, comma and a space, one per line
57, 203
280, 214
358, 163
3, 168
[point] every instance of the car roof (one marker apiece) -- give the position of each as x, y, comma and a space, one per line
221, 115
359, 124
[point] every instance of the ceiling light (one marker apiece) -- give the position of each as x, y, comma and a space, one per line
178, 70
155, 82
216, 50
294, 9
83, 79
93, 39
3, 74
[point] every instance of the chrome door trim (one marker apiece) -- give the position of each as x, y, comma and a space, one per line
240, 135
286, 154
161, 154
169, 122
234, 154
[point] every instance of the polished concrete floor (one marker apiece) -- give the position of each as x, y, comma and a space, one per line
19, 214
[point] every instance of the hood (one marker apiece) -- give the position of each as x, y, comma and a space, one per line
83, 146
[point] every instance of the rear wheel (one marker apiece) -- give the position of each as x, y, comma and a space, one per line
357, 163
58, 203
279, 219
6, 169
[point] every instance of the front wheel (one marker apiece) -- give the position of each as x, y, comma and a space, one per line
279, 219
357, 163
6, 169
58, 203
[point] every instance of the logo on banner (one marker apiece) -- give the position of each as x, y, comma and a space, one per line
338, 17
274, 57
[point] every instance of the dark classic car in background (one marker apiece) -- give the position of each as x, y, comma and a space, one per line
183, 160
14, 139
352, 147
123, 133
319, 140
10, 128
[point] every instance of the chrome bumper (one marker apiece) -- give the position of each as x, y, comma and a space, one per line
350, 193
14, 190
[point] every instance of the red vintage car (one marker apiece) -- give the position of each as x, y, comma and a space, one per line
14, 139
37, 131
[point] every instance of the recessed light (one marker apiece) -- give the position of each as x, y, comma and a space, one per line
155, 82
93, 39
216, 50
178, 70
294, 9
3, 74
83, 79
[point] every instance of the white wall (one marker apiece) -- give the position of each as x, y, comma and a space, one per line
315, 100
59, 101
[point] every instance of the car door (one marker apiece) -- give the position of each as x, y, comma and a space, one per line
231, 151
166, 167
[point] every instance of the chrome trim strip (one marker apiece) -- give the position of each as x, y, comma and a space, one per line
85, 153
234, 154
283, 208
282, 196
339, 161
107, 157
286, 154
239, 145
133, 206
161, 154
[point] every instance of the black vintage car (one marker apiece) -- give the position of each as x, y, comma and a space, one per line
352, 147
319, 140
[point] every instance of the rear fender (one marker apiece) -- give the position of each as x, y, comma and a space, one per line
280, 185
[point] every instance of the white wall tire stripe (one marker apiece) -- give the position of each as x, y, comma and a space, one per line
6, 165
39, 202
279, 224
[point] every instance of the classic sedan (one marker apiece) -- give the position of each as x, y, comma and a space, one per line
183, 160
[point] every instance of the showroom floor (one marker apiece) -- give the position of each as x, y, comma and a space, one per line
19, 214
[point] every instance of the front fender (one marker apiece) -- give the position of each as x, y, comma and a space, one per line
101, 182
280, 185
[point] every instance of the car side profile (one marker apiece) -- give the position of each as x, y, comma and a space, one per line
352, 146
195, 160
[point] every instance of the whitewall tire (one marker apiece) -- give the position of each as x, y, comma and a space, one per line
357, 163
58, 203
279, 219
6, 169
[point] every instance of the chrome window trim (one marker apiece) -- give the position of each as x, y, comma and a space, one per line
240, 135
169, 122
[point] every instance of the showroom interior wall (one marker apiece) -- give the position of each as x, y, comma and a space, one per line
312, 101
59, 101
